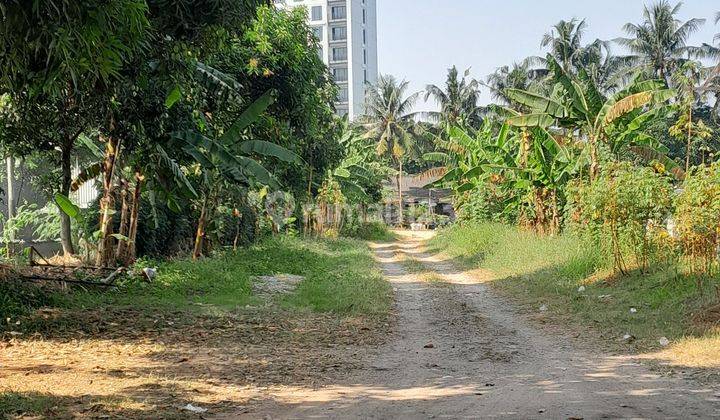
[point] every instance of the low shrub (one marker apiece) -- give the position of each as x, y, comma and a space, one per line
697, 218
624, 210
370, 231
487, 203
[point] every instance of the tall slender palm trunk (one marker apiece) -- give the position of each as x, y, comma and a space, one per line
689, 141
400, 196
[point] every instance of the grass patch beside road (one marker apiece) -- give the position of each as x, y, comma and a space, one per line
340, 277
196, 334
537, 270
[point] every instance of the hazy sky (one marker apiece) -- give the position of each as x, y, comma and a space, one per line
419, 39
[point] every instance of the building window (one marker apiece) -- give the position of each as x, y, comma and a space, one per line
318, 32
338, 12
320, 53
339, 33
343, 94
340, 74
339, 54
365, 56
364, 37
364, 16
366, 79
316, 13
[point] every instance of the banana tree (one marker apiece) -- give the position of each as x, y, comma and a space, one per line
578, 106
529, 166
229, 157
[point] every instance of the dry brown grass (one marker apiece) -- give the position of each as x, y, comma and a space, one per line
127, 364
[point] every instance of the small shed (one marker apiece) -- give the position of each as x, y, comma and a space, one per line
415, 192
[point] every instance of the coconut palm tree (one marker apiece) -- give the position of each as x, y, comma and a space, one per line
607, 71
659, 43
458, 100
712, 80
565, 42
389, 120
516, 76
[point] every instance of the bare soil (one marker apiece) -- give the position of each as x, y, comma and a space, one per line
124, 363
460, 351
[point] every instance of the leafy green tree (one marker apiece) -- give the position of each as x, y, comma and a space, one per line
389, 120
58, 59
275, 53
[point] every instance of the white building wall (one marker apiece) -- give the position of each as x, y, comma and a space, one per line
360, 24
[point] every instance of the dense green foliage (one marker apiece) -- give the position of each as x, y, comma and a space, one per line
190, 107
622, 208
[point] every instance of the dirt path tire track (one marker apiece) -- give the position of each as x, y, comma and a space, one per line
459, 351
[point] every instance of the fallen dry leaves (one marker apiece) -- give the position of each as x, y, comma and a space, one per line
130, 364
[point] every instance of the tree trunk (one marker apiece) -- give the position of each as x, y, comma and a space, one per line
400, 196
134, 216
689, 141
555, 223
107, 203
200, 233
66, 180
524, 148
594, 164
120, 252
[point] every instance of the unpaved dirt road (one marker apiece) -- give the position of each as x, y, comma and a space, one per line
459, 351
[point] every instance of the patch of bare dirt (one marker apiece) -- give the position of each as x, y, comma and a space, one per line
123, 363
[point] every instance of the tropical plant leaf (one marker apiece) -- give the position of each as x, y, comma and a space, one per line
351, 188
178, 175
220, 84
342, 173
537, 103
86, 174
91, 146
611, 112
531, 120
266, 148
173, 97
436, 157
248, 117
431, 173
252, 169
67, 206
468, 186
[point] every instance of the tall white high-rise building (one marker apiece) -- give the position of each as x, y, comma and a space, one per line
347, 30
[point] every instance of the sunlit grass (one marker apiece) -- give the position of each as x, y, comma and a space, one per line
552, 271
340, 276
